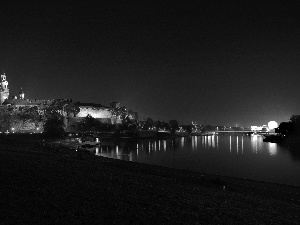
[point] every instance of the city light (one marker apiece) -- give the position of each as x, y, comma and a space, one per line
272, 125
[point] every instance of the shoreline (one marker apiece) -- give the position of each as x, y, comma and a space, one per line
281, 191
235, 184
50, 185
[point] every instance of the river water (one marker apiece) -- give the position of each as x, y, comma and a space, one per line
240, 156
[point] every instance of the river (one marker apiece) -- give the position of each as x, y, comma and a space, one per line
240, 156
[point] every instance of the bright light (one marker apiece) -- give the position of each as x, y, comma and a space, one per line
13, 128
272, 125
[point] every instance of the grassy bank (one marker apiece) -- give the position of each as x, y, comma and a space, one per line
43, 185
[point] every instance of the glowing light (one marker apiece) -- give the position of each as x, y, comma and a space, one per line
272, 149
272, 125
230, 144
242, 145
237, 144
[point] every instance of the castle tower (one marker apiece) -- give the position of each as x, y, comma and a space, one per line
21, 94
4, 91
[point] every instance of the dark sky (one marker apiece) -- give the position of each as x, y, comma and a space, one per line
213, 62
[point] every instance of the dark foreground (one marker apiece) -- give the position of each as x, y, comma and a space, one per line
43, 185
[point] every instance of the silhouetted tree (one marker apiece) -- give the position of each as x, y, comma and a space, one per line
145, 124
127, 124
157, 124
290, 128
89, 124
54, 127
174, 125
71, 108
295, 120
165, 126
187, 128
4, 119
284, 128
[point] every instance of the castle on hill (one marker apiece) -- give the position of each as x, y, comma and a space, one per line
102, 113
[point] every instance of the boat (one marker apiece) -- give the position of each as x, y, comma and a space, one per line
89, 141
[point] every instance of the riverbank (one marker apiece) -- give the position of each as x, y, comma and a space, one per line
41, 184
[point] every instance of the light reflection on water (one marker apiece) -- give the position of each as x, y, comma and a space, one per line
232, 155
272, 149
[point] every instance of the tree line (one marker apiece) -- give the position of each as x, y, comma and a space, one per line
290, 128
51, 114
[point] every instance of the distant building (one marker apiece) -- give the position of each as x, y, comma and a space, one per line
263, 128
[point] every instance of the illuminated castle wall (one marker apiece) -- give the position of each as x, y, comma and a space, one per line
98, 111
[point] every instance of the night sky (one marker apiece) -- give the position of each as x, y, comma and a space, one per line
213, 62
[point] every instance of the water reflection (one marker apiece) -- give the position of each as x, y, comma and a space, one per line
242, 145
272, 149
249, 155
254, 143
227, 144
230, 144
237, 144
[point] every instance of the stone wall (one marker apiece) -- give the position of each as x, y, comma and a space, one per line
26, 126
103, 113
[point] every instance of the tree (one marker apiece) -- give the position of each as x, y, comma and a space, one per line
71, 108
146, 124
295, 120
127, 124
157, 124
174, 125
4, 119
53, 117
284, 128
89, 124
54, 127
165, 126
119, 112
187, 128
290, 128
